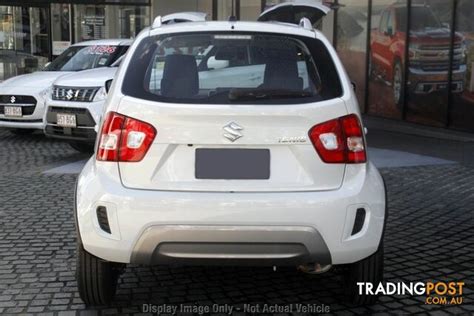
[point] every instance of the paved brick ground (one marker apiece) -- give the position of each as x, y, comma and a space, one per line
429, 237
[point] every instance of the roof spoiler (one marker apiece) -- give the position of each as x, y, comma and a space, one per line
179, 17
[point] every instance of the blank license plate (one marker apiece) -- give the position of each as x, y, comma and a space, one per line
66, 120
13, 111
230, 164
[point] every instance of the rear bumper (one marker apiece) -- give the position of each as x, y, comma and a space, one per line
238, 228
256, 245
23, 124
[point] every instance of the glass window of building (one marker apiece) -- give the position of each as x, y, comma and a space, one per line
109, 21
271, 3
352, 42
225, 9
60, 27
24, 40
388, 40
164, 7
462, 101
427, 93
250, 10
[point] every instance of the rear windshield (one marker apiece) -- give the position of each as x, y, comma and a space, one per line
226, 68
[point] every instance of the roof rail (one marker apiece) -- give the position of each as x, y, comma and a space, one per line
306, 24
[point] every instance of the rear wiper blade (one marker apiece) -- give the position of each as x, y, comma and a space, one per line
262, 94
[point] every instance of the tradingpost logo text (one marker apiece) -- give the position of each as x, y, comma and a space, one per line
437, 293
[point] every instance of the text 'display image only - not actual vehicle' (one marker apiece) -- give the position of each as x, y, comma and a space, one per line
230, 143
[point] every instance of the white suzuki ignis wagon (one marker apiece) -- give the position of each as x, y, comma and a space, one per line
230, 143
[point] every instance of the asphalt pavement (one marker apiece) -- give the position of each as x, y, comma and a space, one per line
429, 237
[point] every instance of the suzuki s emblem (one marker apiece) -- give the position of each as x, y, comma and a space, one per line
232, 131
69, 94
12, 99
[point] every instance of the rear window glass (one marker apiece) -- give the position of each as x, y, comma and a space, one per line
226, 68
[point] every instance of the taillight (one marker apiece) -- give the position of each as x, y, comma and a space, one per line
124, 139
340, 140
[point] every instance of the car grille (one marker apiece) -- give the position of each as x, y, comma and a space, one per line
439, 47
27, 102
83, 131
436, 57
71, 133
74, 94
435, 65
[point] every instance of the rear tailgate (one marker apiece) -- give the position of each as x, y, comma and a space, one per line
280, 130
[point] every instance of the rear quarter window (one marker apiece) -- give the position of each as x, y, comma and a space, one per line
228, 68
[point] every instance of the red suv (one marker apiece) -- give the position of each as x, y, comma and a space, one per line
429, 52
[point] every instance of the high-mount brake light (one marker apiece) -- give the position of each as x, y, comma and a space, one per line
124, 139
340, 140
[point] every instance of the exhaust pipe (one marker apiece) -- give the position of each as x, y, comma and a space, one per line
314, 268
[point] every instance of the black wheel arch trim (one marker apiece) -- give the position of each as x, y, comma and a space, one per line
386, 212
76, 221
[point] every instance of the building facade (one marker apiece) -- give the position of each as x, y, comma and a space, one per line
33, 32
410, 59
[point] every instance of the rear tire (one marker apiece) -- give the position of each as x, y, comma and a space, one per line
96, 278
82, 147
22, 131
370, 270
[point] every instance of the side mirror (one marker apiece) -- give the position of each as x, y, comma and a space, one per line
108, 84
213, 63
46, 65
354, 86
446, 25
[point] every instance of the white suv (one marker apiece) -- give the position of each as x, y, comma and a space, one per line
77, 99
23, 98
76, 104
230, 143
